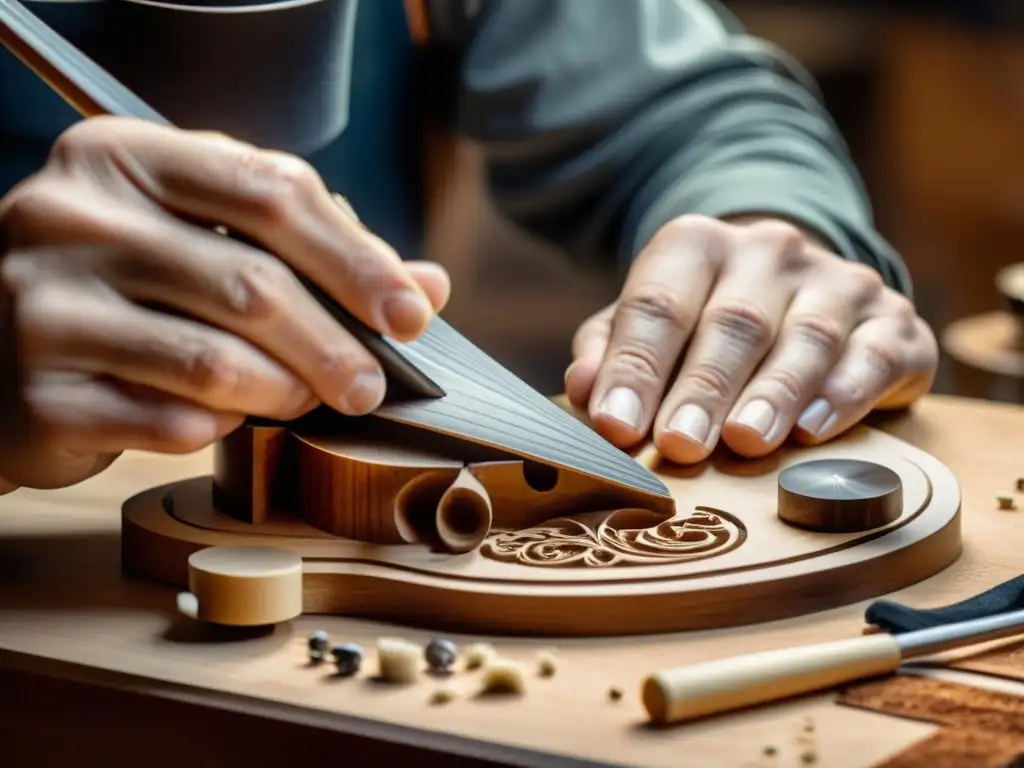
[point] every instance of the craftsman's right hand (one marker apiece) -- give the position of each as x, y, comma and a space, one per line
132, 324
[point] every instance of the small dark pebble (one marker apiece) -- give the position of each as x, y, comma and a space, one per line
770, 751
348, 657
441, 654
614, 694
809, 758
319, 645
1020, 483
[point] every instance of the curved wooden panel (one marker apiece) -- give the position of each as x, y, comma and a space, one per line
724, 559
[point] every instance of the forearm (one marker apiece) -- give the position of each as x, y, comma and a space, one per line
603, 121
768, 148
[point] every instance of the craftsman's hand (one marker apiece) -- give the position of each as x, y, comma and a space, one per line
776, 335
131, 323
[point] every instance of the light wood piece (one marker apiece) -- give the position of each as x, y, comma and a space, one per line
81, 647
243, 586
555, 561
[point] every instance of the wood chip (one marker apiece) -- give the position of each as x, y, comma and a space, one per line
503, 676
546, 664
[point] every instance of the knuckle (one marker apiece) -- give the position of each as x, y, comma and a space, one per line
275, 184
862, 282
17, 271
339, 362
206, 370
743, 322
783, 234
85, 138
42, 320
658, 303
639, 361
259, 289
690, 224
785, 382
29, 207
708, 379
820, 331
887, 359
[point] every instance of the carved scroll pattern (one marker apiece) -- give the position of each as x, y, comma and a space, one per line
619, 538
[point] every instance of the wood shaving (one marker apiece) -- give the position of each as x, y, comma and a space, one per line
443, 696
479, 654
546, 664
503, 676
398, 660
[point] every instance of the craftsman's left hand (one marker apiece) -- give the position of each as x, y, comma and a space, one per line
746, 332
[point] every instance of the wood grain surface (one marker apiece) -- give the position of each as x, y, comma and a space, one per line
721, 558
70, 621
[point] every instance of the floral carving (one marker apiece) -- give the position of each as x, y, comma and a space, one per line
618, 538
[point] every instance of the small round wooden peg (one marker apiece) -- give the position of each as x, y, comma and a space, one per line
243, 586
840, 496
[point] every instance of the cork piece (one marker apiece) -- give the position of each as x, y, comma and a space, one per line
243, 586
840, 496
982, 729
399, 661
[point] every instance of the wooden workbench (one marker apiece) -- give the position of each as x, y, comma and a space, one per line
96, 668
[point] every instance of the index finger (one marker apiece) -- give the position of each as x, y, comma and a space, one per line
656, 313
274, 199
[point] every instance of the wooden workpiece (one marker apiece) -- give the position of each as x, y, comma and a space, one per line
393, 526
82, 646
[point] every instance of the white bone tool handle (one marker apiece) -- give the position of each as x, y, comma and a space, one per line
686, 693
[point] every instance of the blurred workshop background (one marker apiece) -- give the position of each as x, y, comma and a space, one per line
930, 97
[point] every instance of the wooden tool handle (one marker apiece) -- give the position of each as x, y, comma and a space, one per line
704, 689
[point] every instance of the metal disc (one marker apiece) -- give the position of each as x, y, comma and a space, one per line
840, 495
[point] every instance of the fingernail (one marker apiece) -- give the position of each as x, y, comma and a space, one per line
623, 404
406, 312
364, 394
814, 416
757, 416
692, 422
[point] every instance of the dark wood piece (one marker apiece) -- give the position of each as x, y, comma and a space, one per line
840, 496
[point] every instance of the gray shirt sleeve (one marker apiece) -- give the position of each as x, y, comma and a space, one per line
603, 120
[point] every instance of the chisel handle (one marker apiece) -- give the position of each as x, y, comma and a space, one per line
686, 693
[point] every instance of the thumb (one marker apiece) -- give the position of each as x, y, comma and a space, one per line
588, 349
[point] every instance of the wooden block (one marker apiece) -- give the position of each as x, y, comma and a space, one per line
243, 586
